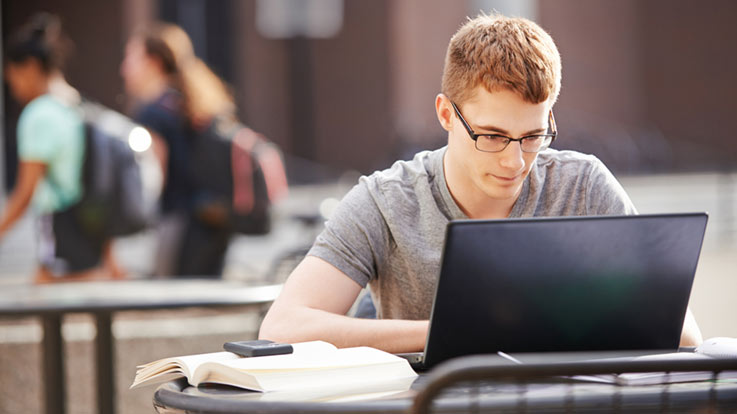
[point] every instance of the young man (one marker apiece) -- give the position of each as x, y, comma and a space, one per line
500, 81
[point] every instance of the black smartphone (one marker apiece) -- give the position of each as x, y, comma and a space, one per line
261, 347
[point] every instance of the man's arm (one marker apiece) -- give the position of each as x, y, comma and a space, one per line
313, 304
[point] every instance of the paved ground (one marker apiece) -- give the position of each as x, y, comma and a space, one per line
145, 336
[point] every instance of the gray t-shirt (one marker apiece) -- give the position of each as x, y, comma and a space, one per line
388, 231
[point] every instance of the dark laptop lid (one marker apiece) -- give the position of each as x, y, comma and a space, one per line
564, 284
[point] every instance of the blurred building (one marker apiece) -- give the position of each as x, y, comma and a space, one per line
648, 86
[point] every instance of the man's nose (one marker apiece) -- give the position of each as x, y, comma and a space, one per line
512, 157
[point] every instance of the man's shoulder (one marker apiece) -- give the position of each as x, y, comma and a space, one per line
572, 183
567, 162
407, 173
406, 185
565, 157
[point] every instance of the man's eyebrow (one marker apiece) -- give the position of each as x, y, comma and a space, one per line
494, 129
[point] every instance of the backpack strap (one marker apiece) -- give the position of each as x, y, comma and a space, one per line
244, 146
270, 161
243, 197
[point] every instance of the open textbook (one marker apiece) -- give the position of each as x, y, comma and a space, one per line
314, 364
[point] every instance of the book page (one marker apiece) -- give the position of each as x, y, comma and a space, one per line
169, 368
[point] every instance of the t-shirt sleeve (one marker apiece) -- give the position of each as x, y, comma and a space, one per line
39, 135
605, 195
356, 236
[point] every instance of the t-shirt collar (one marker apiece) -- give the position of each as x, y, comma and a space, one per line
450, 206
452, 210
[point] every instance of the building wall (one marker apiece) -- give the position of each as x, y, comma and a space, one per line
647, 86
690, 71
420, 32
325, 101
96, 28
97, 31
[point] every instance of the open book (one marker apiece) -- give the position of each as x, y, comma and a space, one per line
312, 365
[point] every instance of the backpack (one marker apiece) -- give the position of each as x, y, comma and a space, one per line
112, 202
240, 171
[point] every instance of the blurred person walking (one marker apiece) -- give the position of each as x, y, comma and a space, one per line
51, 149
176, 96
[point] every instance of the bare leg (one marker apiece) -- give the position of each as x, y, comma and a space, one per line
44, 275
110, 265
108, 270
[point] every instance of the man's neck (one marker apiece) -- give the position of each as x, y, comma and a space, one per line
481, 206
474, 203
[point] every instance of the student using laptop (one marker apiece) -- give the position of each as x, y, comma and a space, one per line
500, 81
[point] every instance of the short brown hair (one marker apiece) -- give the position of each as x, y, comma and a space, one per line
499, 52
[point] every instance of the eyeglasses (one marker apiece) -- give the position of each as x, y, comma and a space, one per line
498, 142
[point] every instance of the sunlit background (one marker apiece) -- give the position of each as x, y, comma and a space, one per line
346, 87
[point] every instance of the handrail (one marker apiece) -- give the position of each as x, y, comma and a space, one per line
491, 367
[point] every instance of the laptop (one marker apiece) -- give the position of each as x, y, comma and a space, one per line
563, 284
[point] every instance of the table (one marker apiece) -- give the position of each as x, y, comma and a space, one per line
102, 299
495, 386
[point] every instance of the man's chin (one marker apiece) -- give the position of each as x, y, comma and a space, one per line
503, 192
498, 187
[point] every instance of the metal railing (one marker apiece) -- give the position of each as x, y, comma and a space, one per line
479, 369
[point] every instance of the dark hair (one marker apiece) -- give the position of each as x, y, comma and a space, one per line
205, 95
41, 38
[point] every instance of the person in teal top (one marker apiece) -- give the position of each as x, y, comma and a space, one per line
51, 148
51, 132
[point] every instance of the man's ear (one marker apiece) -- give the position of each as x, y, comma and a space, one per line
444, 110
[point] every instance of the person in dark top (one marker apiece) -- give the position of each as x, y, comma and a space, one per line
176, 95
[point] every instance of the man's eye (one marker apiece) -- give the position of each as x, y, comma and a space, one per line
499, 138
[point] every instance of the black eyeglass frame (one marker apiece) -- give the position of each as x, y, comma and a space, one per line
474, 136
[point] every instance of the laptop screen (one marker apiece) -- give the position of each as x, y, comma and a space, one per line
564, 284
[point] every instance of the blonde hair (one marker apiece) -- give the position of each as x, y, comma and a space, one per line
205, 95
499, 53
